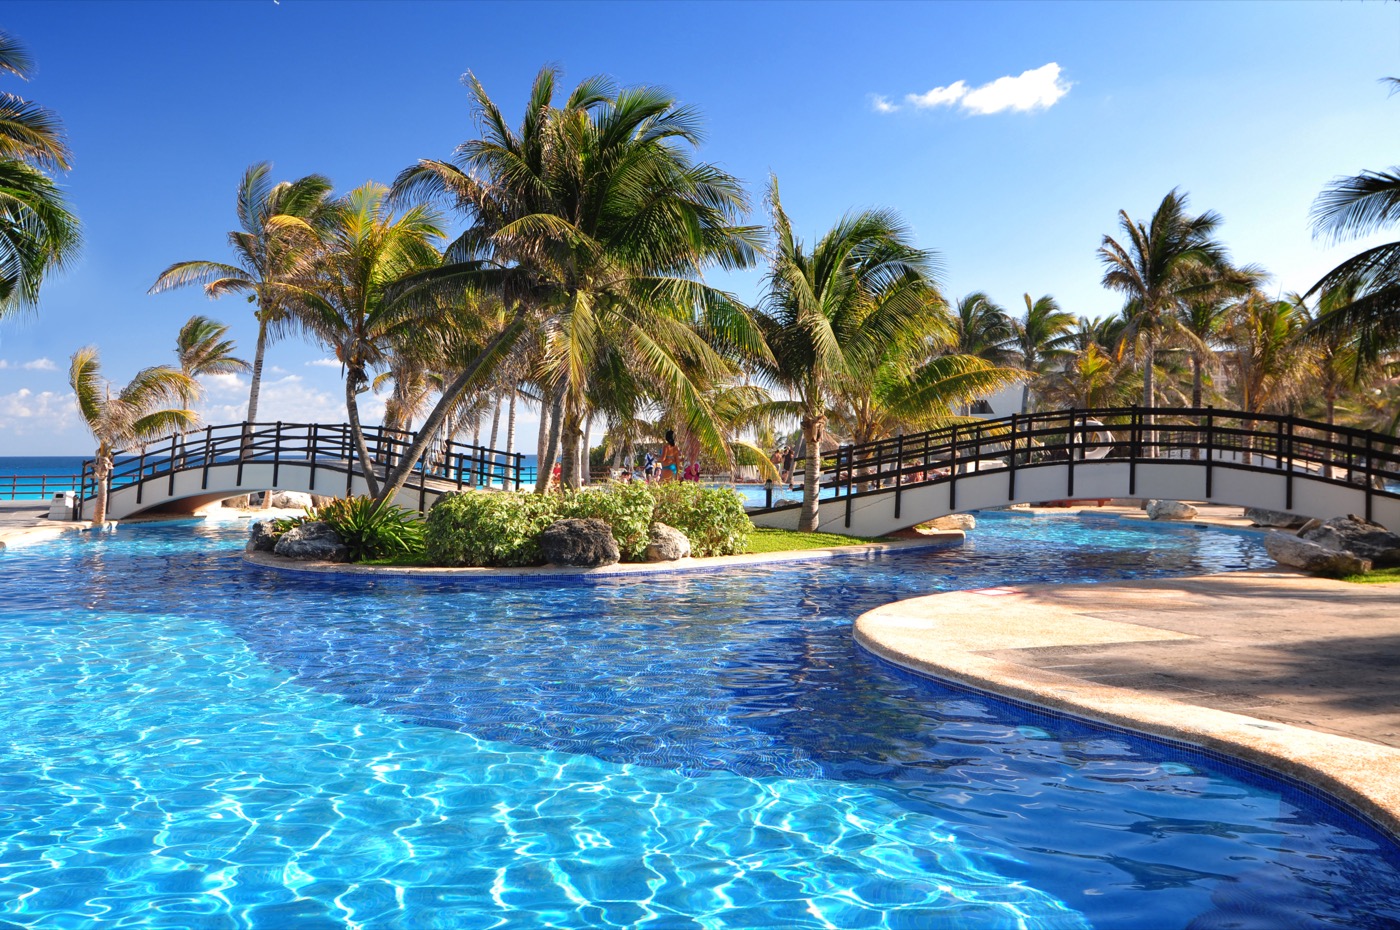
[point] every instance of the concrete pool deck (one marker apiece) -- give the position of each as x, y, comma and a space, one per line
1284, 670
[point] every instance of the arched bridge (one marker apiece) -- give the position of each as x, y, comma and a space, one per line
197, 468
1196, 454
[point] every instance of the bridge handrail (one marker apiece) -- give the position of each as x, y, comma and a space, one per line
1260, 441
321, 445
13, 486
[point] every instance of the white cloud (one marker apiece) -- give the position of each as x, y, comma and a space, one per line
225, 384
325, 363
291, 400
46, 412
1036, 89
882, 104
40, 364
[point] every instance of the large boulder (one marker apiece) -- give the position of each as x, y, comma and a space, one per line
1359, 537
261, 537
290, 500
312, 542
1262, 517
666, 544
1307, 555
1170, 510
585, 543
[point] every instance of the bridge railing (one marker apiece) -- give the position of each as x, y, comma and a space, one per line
36, 487
319, 446
1213, 437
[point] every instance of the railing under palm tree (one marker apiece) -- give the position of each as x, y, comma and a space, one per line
320, 447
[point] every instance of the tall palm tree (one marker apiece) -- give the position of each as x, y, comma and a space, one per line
38, 232
595, 218
1272, 364
833, 311
280, 226
1039, 339
1159, 265
983, 329
136, 413
344, 300
202, 349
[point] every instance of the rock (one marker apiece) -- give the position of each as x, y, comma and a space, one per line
261, 538
584, 543
666, 544
1261, 517
1170, 510
954, 521
1360, 537
290, 500
1310, 525
237, 503
320, 500
1289, 550
312, 542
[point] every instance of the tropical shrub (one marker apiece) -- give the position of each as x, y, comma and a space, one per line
713, 518
373, 530
626, 508
489, 528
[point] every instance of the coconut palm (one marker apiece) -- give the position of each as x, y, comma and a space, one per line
833, 311
1271, 363
202, 349
152, 405
983, 329
343, 300
38, 232
280, 225
1348, 208
1039, 339
1158, 266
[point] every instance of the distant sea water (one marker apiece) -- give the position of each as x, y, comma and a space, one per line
31, 467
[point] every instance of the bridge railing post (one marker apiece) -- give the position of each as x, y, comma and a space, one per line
141, 475
208, 443
174, 439
1210, 448
1011, 463
953, 468
276, 453
1370, 476
898, 472
1069, 437
1134, 448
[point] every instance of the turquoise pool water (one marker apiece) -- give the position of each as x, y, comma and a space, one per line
190, 743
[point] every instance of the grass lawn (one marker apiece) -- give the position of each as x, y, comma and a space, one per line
1379, 576
764, 539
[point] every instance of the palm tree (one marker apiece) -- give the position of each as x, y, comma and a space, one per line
135, 414
1348, 208
1040, 339
833, 311
1159, 265
1271, 361
344, 299
280, 225
203, 350
38, 232
594, 218
984, 329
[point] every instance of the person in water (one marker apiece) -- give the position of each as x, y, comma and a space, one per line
670, 458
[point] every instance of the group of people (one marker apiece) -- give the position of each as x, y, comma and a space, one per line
652, 468
784, 460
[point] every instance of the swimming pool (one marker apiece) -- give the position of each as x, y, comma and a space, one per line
190, 742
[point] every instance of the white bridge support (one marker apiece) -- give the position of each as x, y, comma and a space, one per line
886, 510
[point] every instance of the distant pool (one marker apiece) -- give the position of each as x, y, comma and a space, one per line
192, 743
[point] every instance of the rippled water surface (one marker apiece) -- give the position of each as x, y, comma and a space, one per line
191, 743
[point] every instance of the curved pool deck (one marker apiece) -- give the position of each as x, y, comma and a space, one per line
1283, 670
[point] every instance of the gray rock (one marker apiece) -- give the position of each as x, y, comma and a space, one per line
237, 503
1359, 537
954, 521
320, 500
1261, 517
1170, 510
261, 538
312, 542
290, 500
666, 544
1310, 525
585, 543
1293, 552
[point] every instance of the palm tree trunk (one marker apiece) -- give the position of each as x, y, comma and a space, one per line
1026, 397
495, 433
352, 408
1149, 358
1197, 386
551, 446
812, 474
584, 466
255, 382
101, 473
572, 433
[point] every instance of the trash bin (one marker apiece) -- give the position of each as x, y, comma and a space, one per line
63, 506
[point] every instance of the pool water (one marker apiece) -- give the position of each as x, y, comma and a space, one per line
190, 742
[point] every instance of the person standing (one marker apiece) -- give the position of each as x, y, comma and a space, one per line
670, 458
788, 461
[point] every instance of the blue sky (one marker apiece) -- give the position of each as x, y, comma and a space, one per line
1251, 108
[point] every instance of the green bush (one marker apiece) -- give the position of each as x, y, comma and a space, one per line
373, 530
489, 528
626, 508
713, 518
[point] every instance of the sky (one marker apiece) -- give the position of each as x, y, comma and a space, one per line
1007, 135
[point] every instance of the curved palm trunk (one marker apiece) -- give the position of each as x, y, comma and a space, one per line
101, 473
551, 445
352, 408
571, 437
812, 428
495, 434
255, 382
